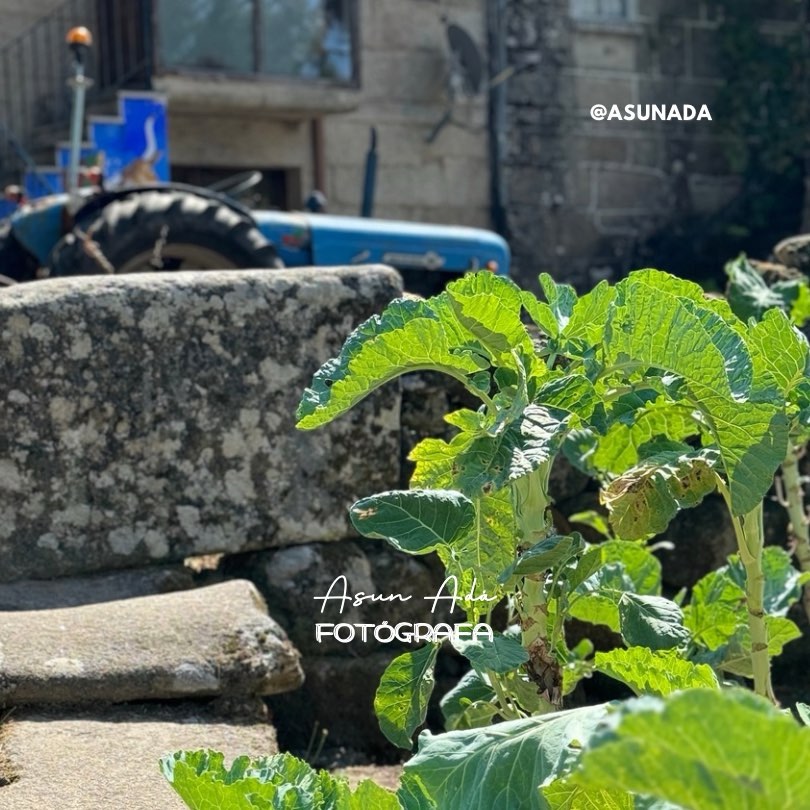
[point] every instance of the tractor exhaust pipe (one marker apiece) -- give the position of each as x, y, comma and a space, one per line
370, 178
79, 41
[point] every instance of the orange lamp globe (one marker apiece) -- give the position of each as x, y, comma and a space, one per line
79, 36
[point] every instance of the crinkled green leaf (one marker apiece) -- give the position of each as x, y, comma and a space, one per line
501, 766
779, 349
561, 795
618, 450
704, 749
661, 322
402, 697
489, 307
639, 564
488, 463
489, 546
735, 656
752, 438
625, 567
573, 393
783, 582
651, 621
412, 794
280, 782
548, 553
561, 299
434, 460
456, 704
502, 654
370, 796
541, 313
491, 543
717, 615
748, 294
584, 567
665, 322
716, 609
408, 336
416, 520
644, 500
589, 315
466, 420
654, 672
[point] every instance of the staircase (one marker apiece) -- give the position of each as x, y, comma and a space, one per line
34, 70
128, 147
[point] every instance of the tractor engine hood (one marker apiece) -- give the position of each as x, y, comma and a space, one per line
323, 239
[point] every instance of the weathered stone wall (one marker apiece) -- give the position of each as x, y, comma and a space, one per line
584, 196
149, 418
404, 73
404, 59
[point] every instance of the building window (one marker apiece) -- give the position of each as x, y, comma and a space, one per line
300, 39
601, 9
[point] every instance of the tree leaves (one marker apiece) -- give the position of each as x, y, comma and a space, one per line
403, 694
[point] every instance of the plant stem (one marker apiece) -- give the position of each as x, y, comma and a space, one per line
794, 503
507, 709
751, 541
530, 502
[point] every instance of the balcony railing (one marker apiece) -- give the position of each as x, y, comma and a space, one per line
35, 67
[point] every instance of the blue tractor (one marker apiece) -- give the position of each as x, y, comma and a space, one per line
170, 226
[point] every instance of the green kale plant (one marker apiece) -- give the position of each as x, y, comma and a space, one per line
665, 395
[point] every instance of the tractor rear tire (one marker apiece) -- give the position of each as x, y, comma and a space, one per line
151, 231
16, 263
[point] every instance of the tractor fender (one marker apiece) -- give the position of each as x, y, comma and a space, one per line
101, 200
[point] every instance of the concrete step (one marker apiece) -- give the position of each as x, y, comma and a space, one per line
210, 641
109, 758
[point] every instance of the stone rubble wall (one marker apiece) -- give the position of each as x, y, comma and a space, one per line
583, 199
151, 418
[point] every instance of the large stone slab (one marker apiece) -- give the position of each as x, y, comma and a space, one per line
151, 417
109, 758
216, 640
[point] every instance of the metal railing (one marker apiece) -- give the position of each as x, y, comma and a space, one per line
35, 67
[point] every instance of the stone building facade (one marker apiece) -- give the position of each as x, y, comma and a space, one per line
308, 134
579, 198
585, 199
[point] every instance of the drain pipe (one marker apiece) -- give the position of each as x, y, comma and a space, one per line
79, 40
496, 26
